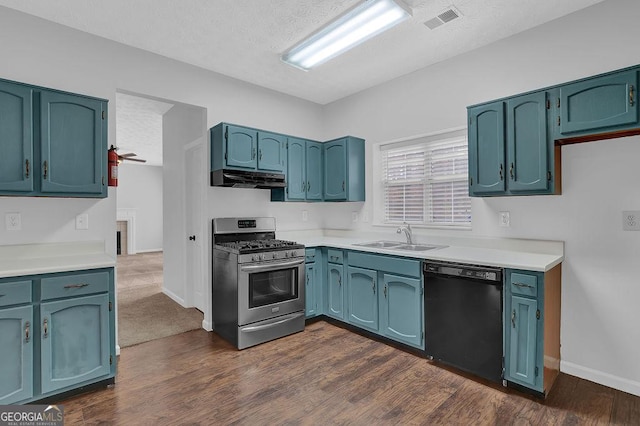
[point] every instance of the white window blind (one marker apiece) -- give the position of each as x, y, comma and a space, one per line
425, 182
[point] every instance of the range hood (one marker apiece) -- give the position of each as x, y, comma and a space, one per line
247, 179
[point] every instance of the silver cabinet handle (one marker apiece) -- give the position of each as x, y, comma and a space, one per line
513, 318
45, 328
373, 286
45, 166
385, 291
26, 168
76, 285
27, 331
522, 285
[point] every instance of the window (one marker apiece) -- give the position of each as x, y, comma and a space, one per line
425, 181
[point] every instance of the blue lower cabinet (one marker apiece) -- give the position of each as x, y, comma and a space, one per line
362, 296
402, 306
53, 337
74, 341
335, 291
16, 353
522, 345
310, 295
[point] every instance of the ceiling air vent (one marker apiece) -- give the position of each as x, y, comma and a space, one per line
443, 17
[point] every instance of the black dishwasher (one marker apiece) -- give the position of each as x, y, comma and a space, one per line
463, 317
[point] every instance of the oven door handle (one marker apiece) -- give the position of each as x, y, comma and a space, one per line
282, 320
271, 266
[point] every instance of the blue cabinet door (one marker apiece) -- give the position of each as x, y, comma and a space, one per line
402, 302
486, 149
296, 169
74, 339
600, 103
520, 364
527, 143
16, 138
335, 170
363, 298
271, 152
335, 291
241, 146
314, 170
73, 150
311, 299
16, 353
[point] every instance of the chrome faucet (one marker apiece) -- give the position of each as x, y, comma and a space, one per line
407, 230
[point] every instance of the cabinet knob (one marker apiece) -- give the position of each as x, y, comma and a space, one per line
500, 172
511, 171
45, 328
45, 167
513, 319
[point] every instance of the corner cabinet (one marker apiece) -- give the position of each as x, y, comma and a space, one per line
244, 148
57, 333
344, 170
532, 329
53, 143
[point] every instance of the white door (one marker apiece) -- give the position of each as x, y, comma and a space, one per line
195, 176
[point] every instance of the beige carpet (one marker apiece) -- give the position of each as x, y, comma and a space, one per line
144, 312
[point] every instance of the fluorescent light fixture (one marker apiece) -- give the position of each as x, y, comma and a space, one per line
357, 25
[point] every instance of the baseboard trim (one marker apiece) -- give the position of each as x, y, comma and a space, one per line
600, 377
207, 325
149, 250
174, 297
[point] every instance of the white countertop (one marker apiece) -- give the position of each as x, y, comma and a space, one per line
516, 254
30, 259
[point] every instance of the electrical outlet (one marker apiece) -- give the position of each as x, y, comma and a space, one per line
82, 221
354, 216
365, 216
504, 219
305, 215
631, 220
13, 221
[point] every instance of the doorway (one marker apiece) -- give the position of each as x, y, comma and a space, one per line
154, 297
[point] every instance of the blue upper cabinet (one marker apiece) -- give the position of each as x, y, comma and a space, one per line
314, 171
53, 143
16, 140
528, 147
486, 149
296, 169
241, 146
344, 170
271, 151
71, 145
244, 148
599, 104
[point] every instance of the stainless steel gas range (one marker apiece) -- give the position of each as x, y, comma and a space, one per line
258, 282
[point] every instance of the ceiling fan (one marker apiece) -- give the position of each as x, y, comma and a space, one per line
128, 156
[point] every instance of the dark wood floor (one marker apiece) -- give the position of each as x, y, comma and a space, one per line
325, 375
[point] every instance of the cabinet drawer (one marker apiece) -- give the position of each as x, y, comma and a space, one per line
310, 255
335, 256
395, 265
524, 284
74, 285
15, 293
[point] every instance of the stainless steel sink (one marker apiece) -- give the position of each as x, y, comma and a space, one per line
380, 244
417, 247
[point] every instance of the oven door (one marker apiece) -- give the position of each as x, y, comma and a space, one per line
270, 289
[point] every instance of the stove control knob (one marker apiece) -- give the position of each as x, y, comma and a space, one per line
274, 255
293, 254
286, 254
255, 258
262, 257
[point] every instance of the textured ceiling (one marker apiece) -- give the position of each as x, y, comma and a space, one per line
244, 39
139, 127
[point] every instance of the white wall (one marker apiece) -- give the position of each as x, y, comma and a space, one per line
600, 334
140, 189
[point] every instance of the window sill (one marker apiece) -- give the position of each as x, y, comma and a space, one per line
421, 226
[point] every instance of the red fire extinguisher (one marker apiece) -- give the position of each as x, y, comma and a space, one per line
113, 166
